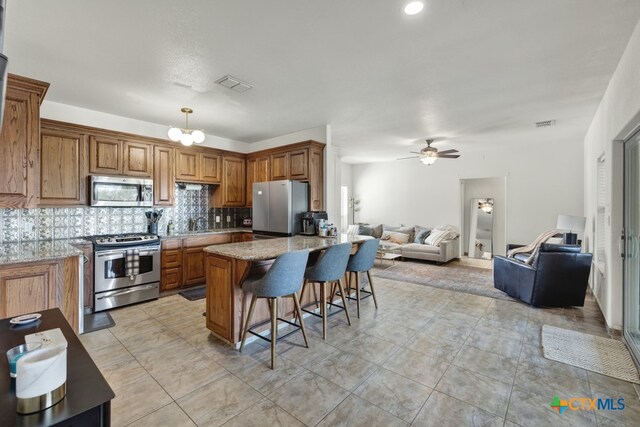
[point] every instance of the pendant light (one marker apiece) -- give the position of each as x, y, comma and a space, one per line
186, 136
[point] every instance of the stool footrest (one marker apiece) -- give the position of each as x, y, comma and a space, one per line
257, 334
328, 314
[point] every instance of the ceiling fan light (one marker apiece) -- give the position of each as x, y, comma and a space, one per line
198, 136
428, 160
413, 7
186, 139
175, 134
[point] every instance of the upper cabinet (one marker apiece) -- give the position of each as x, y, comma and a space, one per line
299, 164
279, 166
63, 159
198, 166
113, 156
138, 158
19, 141
231, 191
163, 175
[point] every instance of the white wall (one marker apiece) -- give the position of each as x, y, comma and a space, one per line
543, 180
78, 115
317, 134
615, 120
481, 189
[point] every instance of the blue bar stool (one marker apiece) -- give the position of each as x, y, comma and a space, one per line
330, 268
359, 262
283, 279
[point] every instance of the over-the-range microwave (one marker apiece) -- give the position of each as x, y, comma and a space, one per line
119, 191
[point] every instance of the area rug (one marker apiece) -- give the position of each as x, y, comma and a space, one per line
453, 277
96, 321
194, 293
602, 355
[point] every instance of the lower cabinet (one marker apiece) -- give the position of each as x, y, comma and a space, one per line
193, 266
219, 294
171, 278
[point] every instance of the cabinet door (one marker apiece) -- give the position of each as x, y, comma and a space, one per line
316, 179
171, 258
171, 278
193, 266
219, 294
105, 155
62, 168
27, 289
263, 173
233, 184
279, 166
252, 171
210, 167
138, 159
19, 150
187, 165
299, 164
163, 175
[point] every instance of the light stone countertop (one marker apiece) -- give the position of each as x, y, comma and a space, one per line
258, 250
178, 234
24, 252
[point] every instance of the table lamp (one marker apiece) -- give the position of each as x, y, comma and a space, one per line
571, 223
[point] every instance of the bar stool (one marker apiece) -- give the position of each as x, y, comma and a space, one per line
359, 262
330, 268
283, 279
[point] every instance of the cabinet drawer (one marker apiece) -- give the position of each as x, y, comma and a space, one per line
171, 258
216, 239
171, 244
171, 278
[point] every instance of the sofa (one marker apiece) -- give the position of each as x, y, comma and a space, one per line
557, 276
414, 243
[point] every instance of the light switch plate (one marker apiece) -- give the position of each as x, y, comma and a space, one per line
217, 218
228, 218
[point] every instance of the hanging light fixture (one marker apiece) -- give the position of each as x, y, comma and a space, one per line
429, 158
186, 136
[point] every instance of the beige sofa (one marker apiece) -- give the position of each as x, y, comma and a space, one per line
445, 251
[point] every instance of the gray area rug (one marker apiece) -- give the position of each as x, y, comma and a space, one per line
451, 276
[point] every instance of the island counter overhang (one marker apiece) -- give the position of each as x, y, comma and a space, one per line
228, 265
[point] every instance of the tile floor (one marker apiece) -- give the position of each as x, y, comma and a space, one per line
426, 357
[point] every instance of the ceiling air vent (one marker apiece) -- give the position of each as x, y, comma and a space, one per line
545, 124
234, 83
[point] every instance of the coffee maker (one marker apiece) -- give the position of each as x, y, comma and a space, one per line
310, 222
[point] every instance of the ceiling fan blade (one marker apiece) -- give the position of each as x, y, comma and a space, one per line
448, 151
415, 152
405, 158
448, 156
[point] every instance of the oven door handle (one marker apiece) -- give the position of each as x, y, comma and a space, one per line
128, 291
103, 254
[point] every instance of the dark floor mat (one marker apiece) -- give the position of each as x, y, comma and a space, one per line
96, 321
195, 293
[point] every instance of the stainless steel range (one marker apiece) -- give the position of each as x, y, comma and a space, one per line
127, 269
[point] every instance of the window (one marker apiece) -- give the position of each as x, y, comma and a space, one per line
601, 212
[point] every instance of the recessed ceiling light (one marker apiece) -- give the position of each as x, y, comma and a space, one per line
413, 7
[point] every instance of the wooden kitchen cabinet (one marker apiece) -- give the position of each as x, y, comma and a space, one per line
187, 165
19, 142
252, 171
316, 177
193, 266
63, 171
105, 155
299, 164
138, 159
170, 279
279, 166
163, 175
231, 191
210, 167
171, 264
219, 296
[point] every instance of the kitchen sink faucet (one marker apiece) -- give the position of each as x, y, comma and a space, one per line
193, 223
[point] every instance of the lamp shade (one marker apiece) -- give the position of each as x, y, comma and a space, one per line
571, 223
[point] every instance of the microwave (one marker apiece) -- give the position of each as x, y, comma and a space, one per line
119, 191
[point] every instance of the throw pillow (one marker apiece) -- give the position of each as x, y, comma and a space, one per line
377, 231
406, 230
365, 231
421, 236
436, 237
416, 230
399, 238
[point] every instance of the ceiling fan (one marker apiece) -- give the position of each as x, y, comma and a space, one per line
428, 155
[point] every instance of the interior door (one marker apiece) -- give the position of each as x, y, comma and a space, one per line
632, 248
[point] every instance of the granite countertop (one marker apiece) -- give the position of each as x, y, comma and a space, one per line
258, 250
15, 253
178, 234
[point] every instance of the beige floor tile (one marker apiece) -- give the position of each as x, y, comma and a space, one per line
420, 367
179, 380
476, 389
128, 315
345, 369
175, 353
260, 376
264, 413
170, 415
495, 343
445, 411
293, 349
602, 383
545, 382
219, 401
425, 343
532, 359
394, 393
356, 412
110, 355
139, 343
138, 399
98, 339
630, 415
531, 409
148, 326
309, 397
496, 366
121, 375
368, 347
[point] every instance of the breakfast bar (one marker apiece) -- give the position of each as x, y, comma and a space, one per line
227, 267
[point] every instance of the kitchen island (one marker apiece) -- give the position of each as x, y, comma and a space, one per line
228, 265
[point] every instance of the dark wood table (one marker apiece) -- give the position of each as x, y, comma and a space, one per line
88, 399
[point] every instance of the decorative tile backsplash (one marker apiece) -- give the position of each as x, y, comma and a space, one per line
21, 225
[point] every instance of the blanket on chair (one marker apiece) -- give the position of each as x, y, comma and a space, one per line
532, 248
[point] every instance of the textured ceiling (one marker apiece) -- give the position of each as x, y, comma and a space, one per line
476, 72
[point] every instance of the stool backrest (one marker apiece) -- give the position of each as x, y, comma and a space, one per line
285, 275
365, 257
331, 265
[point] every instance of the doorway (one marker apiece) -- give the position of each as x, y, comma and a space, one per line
632, 243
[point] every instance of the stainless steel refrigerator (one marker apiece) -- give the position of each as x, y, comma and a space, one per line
278, 206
